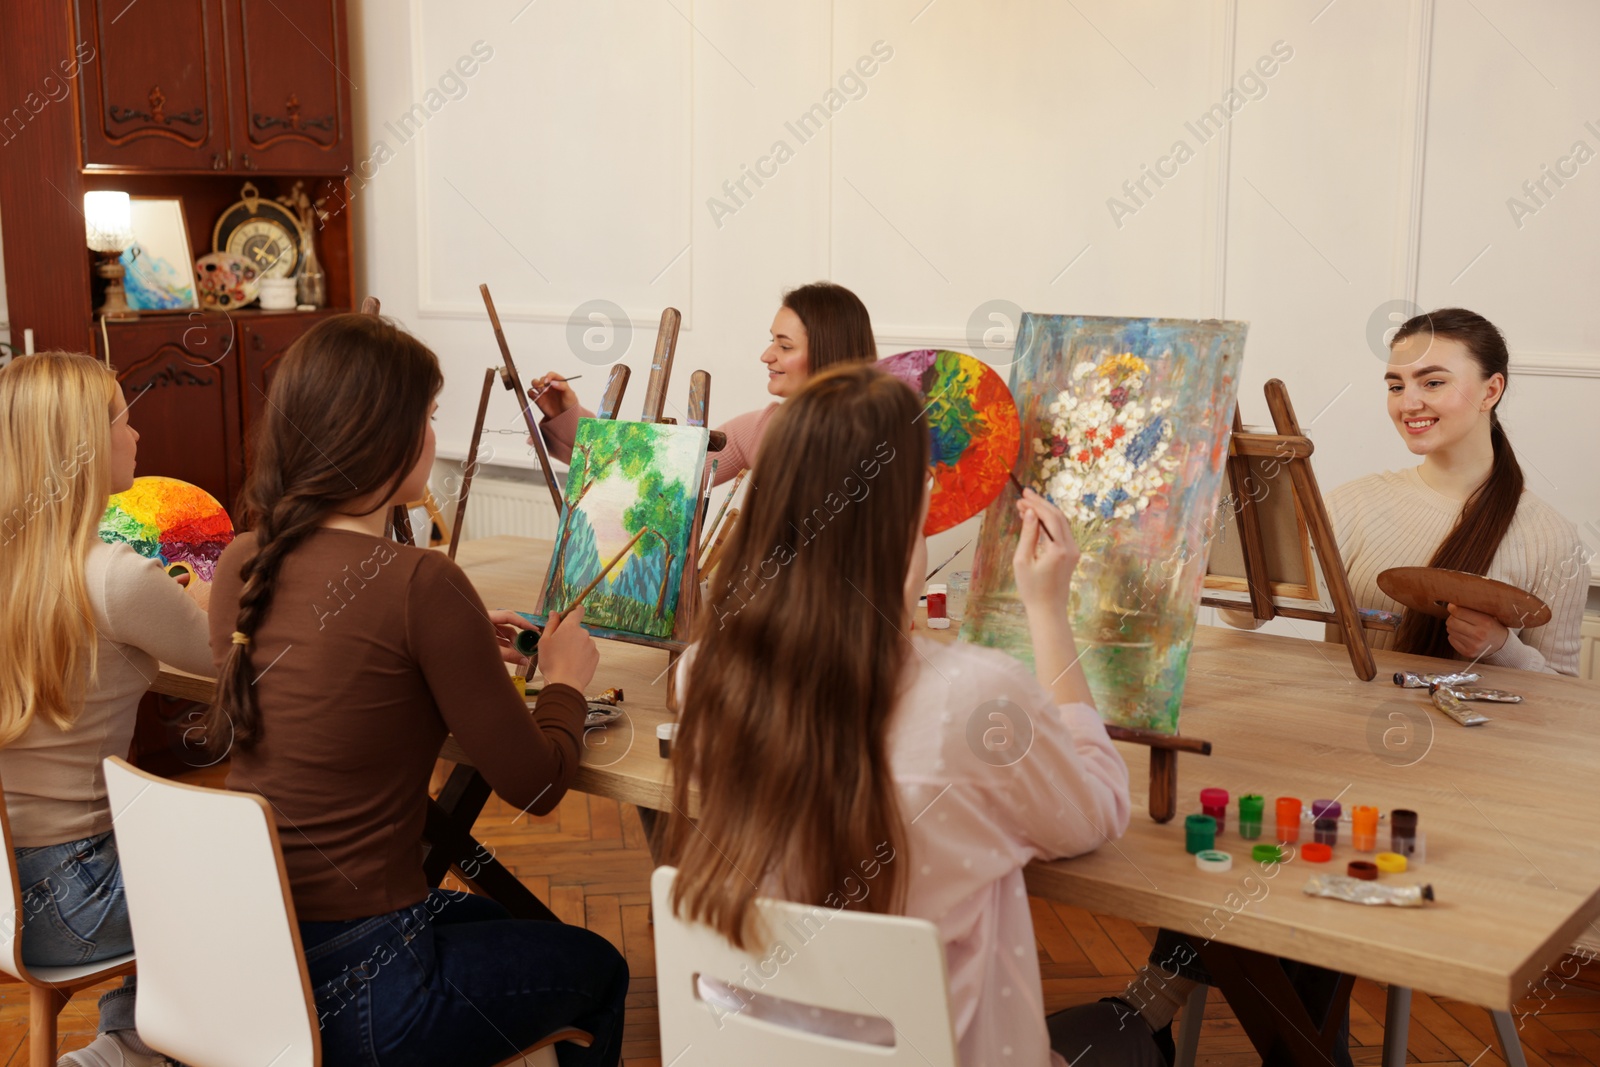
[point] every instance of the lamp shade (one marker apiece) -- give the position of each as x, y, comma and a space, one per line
108, 220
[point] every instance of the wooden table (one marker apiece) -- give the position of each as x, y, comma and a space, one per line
1509, 809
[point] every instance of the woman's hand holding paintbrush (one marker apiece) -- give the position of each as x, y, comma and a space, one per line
1043, 567
551, 392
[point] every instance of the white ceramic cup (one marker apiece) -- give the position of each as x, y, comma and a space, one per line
278, 294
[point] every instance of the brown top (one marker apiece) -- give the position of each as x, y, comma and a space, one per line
370, 653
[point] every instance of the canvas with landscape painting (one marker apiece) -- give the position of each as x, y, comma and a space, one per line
629, 482
1125, 426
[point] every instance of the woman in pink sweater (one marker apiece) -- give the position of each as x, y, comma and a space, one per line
842, 762
818, 326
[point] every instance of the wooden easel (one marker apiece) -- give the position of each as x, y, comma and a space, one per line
1293, 448
655, 401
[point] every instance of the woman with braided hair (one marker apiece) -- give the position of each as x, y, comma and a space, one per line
344, 659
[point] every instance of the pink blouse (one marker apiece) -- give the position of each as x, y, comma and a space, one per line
744, 438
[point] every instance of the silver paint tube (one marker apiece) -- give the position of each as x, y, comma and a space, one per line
1446, 700
1407, 680
1356, 891
1467, 692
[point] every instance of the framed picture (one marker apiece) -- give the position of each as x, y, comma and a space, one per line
158, 266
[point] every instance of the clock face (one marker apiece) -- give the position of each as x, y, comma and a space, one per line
267, 245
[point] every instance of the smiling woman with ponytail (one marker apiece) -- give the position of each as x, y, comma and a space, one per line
344, 660
1464, 507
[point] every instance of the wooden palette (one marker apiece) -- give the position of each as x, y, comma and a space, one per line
1429, 589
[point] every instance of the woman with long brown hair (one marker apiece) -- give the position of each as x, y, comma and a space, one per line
1465, 507
817, 326
344, 659
832, 750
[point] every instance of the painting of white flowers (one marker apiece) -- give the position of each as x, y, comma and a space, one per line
1125, 427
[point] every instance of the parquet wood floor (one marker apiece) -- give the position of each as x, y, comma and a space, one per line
588, 861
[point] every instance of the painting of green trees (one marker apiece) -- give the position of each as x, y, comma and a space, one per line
628, 477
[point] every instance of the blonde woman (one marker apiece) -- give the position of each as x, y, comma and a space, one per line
84, 626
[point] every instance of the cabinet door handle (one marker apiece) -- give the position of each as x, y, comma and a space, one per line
216, 161
259, 341
244, 158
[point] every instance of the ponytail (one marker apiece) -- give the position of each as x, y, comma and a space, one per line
345, 423
1487, 515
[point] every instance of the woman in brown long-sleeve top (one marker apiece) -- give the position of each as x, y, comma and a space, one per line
344, 659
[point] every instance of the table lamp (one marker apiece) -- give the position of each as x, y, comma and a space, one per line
108, 220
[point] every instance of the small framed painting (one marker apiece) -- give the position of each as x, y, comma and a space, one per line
158, 265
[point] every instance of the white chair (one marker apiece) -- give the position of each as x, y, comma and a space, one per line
222, 978
883, 966
49, 988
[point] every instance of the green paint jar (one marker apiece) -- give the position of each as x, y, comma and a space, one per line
1200, 832
1251, 807
1267, 854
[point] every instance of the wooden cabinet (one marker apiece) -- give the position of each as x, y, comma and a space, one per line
180, 378
154, 91
290, 87
262, 343
238, 86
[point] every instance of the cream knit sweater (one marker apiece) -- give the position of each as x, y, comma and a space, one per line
1395, 519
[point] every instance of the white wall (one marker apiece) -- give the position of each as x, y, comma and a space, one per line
973, 172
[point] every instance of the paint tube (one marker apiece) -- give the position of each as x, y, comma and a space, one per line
1356, 891
1447, 701
1407, 680
1467, 692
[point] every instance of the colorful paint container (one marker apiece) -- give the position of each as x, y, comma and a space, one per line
1288, 823
1214, 802
1326, 831
1200, 833
1251, 806
1364, 828
1403, 831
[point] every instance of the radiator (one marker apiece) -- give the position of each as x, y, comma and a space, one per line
498, 506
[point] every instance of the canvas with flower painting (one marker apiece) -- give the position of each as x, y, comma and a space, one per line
1125, 426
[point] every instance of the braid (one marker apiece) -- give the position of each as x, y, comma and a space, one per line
279, 531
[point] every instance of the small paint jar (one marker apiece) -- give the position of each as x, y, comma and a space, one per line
1214, 802
1326, 809
1403, 831
938, 616
1288, 824
1250, 810
1200, 833
666, 733
1364, 828
1326, 831
526, 642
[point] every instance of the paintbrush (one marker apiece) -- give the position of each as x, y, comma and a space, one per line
552, 381
705, 501
1042, 527
604, 571
723, 510
947, 562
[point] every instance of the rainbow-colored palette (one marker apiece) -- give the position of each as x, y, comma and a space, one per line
170, 521
976, 432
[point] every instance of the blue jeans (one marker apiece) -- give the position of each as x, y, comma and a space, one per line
74, 911
456, 980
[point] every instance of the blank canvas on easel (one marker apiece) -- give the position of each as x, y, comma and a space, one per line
626, 477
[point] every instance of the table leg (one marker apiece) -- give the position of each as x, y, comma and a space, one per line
1396, 1026
648, 818
451, 847
1505, 1028
1275, 1013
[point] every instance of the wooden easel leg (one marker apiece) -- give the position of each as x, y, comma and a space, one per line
1163, 784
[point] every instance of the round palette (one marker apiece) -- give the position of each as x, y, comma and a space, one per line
976, 432
171, 521
226, 281
1429, 589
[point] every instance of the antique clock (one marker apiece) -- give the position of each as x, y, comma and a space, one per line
262, 232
